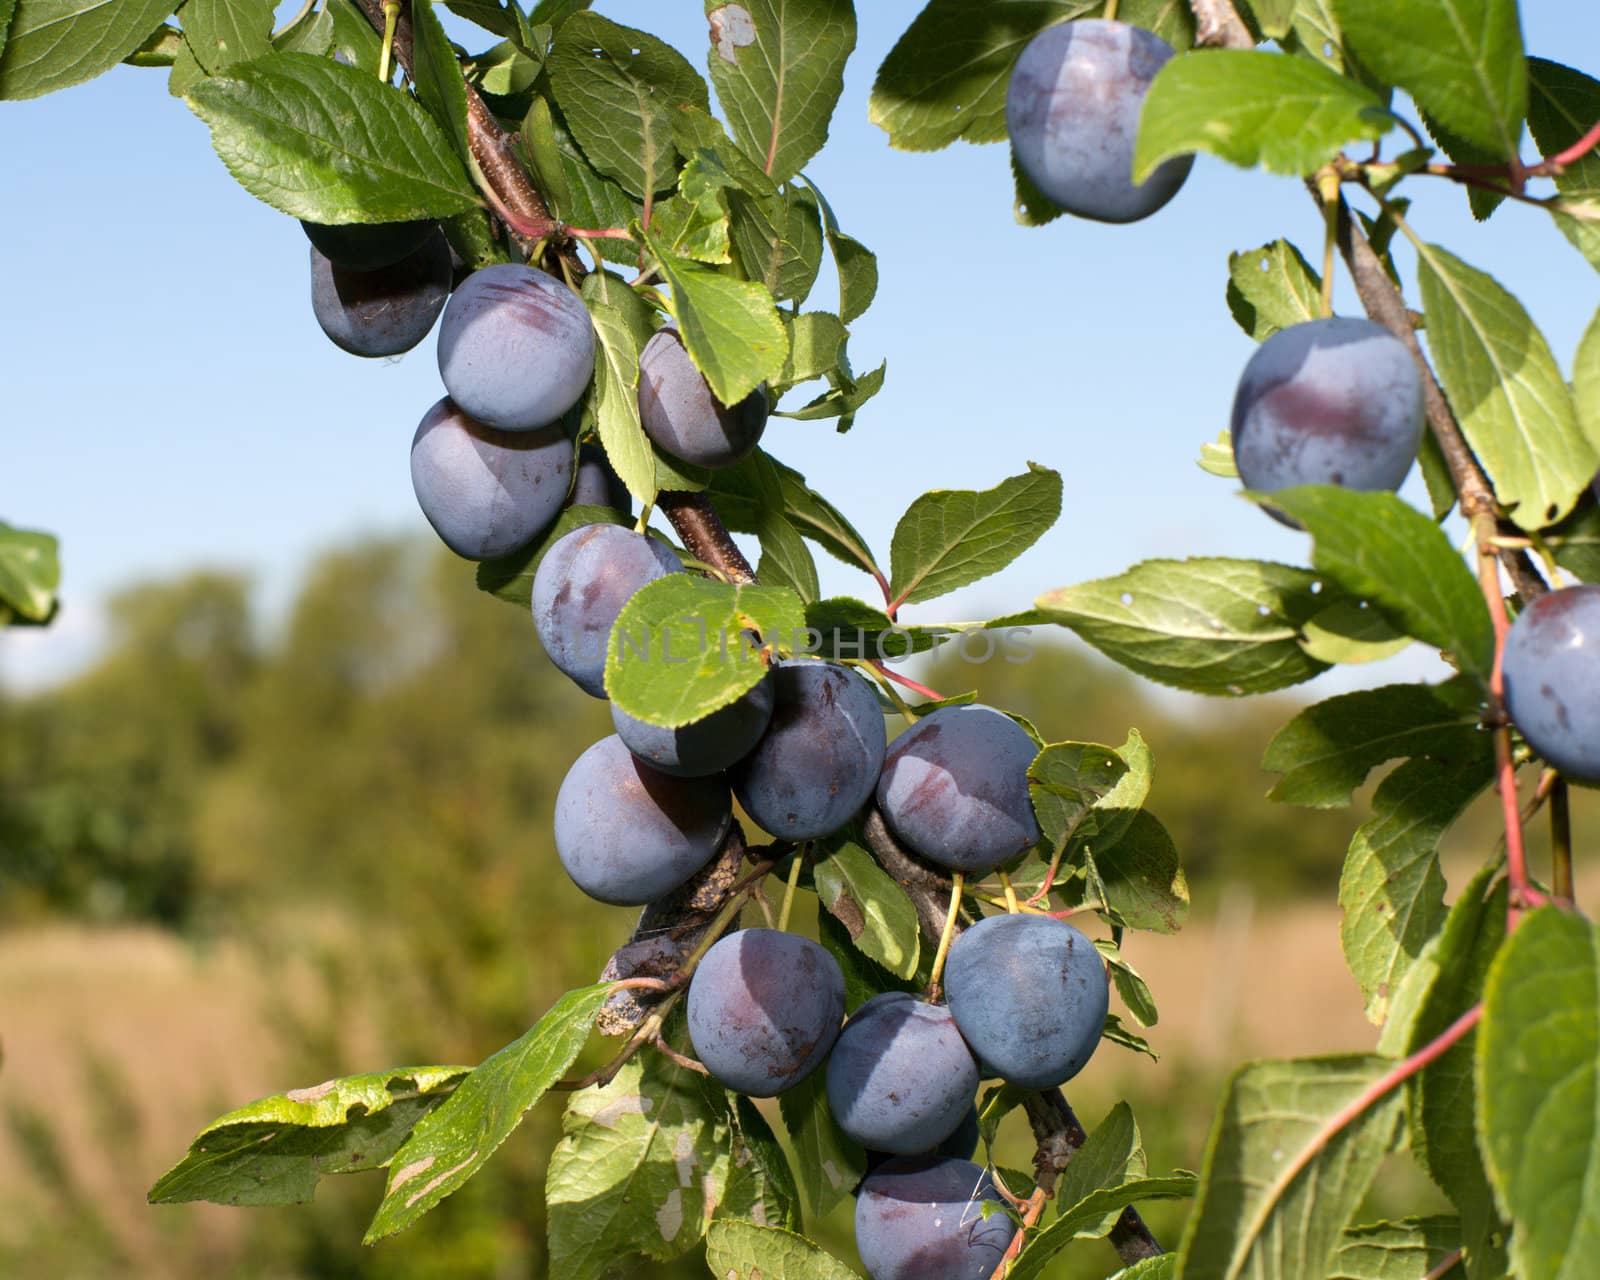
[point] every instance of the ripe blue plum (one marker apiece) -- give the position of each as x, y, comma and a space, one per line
680, 413
366, 246
921, 1218
597, 485
1552, 674
516, 348
955, 788
384, 312
1030, 995
901, 1079
487, 492
764, 1009
627, 834
818, 761
581, 586
706, 746
960, 1145
1330, 401
1072, 112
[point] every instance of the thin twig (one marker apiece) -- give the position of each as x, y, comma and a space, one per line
1446, 1265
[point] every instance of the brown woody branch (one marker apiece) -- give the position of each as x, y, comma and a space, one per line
1218, 25
704, 535
1383, 303
1057, 1133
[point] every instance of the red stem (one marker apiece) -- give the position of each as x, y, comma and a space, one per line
1575, 152
1449, 1263
908, 682
601, 233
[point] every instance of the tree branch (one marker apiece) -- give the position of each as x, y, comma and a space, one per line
1057, 1134
704, 535
1219, 26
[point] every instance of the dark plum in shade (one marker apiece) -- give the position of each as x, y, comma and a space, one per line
955, 788
597, 484
960, 1145
628, 835
366, 246
706, 746
921, 1218
384, 312
487, 492
1030, 995
1331, 401
683, 417
764, 1009
1552, 675
900, 1078
516, 348
1072, 113
580, 588
818, 761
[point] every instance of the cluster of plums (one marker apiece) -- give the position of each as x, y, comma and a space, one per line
642, 811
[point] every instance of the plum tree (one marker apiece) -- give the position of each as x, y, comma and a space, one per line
900, 1078
516, 348
1030, 996
706, 746
627, 834
921, 1218
580, 588
487, 492
1072, 113
954, 788
764, 1009
387, 311
366, 246
596, 483
1330, 401
819, 759
1552, 676
680, 413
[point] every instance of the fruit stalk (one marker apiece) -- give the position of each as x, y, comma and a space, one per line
1057, 1132
1561, 840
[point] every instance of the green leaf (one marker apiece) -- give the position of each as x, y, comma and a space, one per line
437, 76
785, 559
53, 44
1272, 288
618, 102
779, 239
1350, 633
511, 577
1537, 1056
8, 9
1443, 1106
1586, 380
677, 650
30, 572
1164, 1266
1380, 549
865, 899
857, 265
223, 32
1576, 542
1400, 1250
642, 1163
1461, 61
274, 1151
596, 201
320, 140
1112, 1154
353, 36
1137, 878
815, 341
503, 21
1328, 750
951, 537
695, 222
616, 400
1207, 625
747, 1251
453, 1143
537, 142
1391, 889
1266, 1208
848, 394
1067, 781
863, 976
742, 496
1042, 1247
1216, 456
778, 68
1507, 392
1133, 990
1562, 105
312, 34
761, 1186
730, 327
1288, 115
158, 49
828, 1163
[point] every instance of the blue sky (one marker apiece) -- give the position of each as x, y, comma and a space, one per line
172, 403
